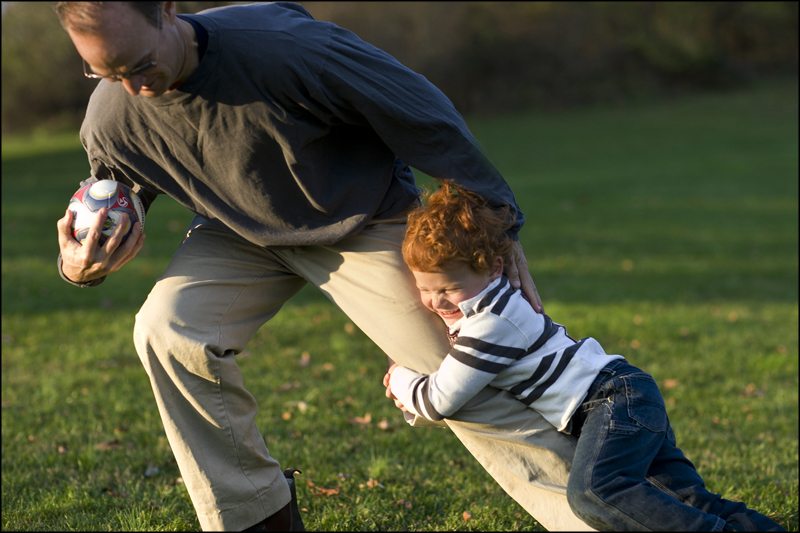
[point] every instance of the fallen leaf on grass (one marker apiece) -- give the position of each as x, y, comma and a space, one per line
626, 265
305, 359
322, 491
671, 383
114, 493
717, 421
107, 445
347, 400
300, 405
362, 420
751, 391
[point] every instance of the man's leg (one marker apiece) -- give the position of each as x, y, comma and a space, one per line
524, 453
366, 277
217, 291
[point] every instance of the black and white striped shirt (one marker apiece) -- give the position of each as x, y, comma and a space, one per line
504, 343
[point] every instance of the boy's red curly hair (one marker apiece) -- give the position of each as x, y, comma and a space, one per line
455, 224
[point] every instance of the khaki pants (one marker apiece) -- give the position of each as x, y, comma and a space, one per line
219, 289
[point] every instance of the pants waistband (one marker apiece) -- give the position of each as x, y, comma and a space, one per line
613, 368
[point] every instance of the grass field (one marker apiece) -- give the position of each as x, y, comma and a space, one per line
668, 231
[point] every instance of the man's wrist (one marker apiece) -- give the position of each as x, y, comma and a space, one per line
91, 283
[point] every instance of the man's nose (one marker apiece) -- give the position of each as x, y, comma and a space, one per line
133, 85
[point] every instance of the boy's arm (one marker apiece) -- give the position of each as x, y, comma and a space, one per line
438, 395
471, 365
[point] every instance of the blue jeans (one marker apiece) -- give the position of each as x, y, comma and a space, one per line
629, 475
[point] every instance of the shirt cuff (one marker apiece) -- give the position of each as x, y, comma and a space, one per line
400, 384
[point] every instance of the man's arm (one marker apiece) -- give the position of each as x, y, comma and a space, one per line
365, 86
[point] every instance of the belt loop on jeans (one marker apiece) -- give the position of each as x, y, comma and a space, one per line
578, 418
606, 373
611, 368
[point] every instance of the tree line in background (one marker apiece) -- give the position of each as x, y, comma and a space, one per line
488, 57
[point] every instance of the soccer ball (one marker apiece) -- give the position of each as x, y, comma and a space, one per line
116, 196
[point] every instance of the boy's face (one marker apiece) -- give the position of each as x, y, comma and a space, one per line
441, 292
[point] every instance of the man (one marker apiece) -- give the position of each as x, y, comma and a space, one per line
291, 140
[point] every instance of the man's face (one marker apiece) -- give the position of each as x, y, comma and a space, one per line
131, 49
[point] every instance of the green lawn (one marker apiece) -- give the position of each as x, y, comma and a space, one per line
668, 231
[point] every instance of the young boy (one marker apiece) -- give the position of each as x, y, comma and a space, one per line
627, 473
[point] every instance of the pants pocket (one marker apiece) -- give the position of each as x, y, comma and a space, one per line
645, 403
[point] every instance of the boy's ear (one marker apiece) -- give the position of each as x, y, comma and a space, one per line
169, 11
497, 267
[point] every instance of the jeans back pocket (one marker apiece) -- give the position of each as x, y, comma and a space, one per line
645, 403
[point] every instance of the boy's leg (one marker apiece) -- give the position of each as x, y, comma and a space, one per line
629, 474
620, 439
366, 277
675, 474
214, 295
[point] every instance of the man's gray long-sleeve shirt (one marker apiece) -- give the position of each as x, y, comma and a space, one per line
291, 131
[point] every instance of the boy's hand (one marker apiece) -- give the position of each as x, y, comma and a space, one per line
386, 383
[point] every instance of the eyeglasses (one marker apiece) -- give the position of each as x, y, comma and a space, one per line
144, 67
87, 71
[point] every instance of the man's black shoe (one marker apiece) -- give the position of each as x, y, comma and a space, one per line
297, 520
288, 518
